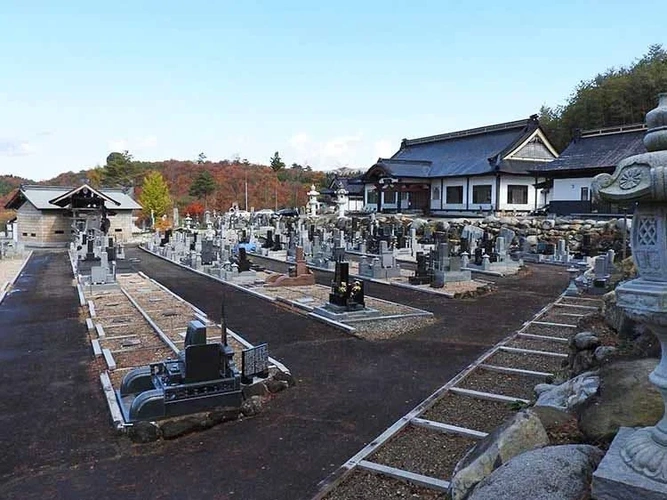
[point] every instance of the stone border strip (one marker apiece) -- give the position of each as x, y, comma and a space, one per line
447, 428
532, 351
418, 479
114, 409
108, 357
563, 304
154, 325
491, 396
329, 483
543, 337
551, 323
8, 284
518, 371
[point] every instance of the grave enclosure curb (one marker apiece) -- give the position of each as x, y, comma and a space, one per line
98, 352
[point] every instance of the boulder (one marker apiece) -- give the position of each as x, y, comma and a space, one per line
520, 433
143, 432
552, 473
276, 385
585, 340
626, 399
570, 394
287, 377
251, 407
174, 428
532, 240
581, 362
256, 389
616, 317
603, 353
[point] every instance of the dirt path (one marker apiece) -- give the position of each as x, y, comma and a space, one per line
348, 391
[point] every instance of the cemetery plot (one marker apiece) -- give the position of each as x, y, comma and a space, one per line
384, 324
563, 332
538, 344
506, 384
364, 485
469, 412
562, 316
525, 361
438, 452
124, 326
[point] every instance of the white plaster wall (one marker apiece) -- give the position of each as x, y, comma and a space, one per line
476, 181
570, 188
505, 181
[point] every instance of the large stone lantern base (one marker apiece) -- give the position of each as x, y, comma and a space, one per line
614, 479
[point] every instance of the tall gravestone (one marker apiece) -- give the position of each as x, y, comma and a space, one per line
636, 464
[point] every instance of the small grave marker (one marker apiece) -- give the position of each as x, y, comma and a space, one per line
255, 361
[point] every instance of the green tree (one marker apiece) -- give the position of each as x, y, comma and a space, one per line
203, 186
119, 170
154, 197
277, 163
618, 96
201, 158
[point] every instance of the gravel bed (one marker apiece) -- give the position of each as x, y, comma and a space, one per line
362, 485
539, 345
390, 328
552, 331
461, 288
578, 302
507, 384
142, 357
535, 362
560, 315
9, 267
471, 413
139, 327
128, 344
424, 452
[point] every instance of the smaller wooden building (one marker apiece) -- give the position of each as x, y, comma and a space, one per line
46, 216
566, 184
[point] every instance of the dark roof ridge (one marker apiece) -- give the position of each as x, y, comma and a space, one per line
468, 132
620, 129
400, 160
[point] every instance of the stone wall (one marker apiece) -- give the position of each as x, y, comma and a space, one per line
605, 234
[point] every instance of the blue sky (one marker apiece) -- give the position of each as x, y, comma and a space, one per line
332, 84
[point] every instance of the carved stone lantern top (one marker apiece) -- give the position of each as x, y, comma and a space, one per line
640, 177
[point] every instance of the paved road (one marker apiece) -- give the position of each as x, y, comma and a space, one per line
348, 391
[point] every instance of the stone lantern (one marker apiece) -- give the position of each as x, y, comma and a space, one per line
341, 200
312, 200
636, 463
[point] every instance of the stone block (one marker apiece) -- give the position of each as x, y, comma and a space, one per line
614, 480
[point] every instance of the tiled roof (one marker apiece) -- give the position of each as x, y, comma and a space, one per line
596, 149
40, 196
475, 151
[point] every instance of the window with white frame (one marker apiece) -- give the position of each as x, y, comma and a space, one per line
390, 197
585, 195
481, 194
517, 194
372, 197
454, 195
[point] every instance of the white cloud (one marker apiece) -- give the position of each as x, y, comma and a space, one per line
117, 145
330, 153
17, 147
299, 141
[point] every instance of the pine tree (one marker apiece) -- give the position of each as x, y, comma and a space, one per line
203, 186
276, 162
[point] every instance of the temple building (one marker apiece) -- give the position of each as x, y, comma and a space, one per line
46, 216
566, 188
481, 169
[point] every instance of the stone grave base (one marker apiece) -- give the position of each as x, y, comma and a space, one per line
614, 480
452, 276
341, 315
243, 278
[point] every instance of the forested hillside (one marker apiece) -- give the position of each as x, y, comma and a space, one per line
618, 96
